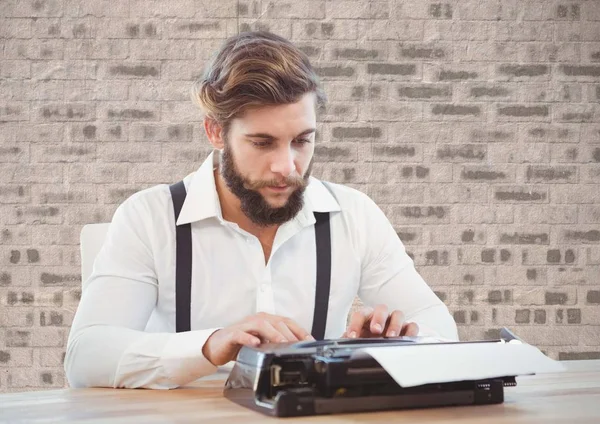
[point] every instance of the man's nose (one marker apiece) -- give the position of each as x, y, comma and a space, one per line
283, 162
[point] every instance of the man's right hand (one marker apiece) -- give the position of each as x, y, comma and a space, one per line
223, 345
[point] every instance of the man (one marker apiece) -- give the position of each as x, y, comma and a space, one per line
252, 209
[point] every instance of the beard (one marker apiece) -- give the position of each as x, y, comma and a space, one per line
253, 204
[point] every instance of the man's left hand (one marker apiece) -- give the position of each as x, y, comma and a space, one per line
378, 322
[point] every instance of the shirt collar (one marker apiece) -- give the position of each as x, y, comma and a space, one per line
202, 200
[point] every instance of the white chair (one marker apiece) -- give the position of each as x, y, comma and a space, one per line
91, 240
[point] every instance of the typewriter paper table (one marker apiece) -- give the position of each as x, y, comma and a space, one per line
572, 396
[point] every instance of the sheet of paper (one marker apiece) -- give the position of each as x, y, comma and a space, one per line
428, 363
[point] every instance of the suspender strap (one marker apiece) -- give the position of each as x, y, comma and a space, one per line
183, 268
323, 241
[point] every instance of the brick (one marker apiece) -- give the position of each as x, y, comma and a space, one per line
391, 111
583, 73
63, 70
455, 193
14, 111
581, 235
15, 28
33, 214
131, 28
522, 31
542, 296
139, 111
545, 214
578, 194
86, 132
487, 92
74, 193
424, 132
356, 10
522, 112
74, 152
281, 27
160, 50
456, 275
569, 93
397, 30
397, 153
554, 174
529, 194
410, 235
128, 70
550, 133
446, 30
573, 276
391, 69
339, 29
447, 72
49, 357
357, 133
482, 173
424, 257
16, 235
195, 29
426, 51
347, 91
491, 11
457, 235
16, 316
505, 133
453, 112
96, 49
484, 51
419, 214
576, 113
515, 275
429, 91
514, 237
522, 316
407, 193
483, 214
12, 193
589, 214
578, 356
118, 194
461, 153
175, 111
161, 132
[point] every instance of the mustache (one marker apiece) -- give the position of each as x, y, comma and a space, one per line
294, 181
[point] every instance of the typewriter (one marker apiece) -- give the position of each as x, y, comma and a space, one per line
325, 377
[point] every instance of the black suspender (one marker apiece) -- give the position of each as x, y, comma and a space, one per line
183, 262
183, 270
323, 241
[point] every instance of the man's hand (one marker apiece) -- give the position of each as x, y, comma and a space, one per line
223, 345
377, 322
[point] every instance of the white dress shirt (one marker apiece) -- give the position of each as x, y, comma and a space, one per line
123, 334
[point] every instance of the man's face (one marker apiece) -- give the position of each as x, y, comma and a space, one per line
267, 159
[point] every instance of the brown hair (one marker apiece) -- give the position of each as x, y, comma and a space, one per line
254, 69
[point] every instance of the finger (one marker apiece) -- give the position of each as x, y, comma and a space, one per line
410, 329
244, 339
379, 319
285, 330
265, 330
395, 324
357, 321
297, 330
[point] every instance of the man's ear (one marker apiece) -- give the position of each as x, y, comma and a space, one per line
214, 132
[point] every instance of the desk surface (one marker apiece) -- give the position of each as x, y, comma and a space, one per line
572, 396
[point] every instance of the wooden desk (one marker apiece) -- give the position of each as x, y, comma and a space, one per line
569, 397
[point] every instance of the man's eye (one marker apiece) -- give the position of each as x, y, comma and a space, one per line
303, 141
261, 143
